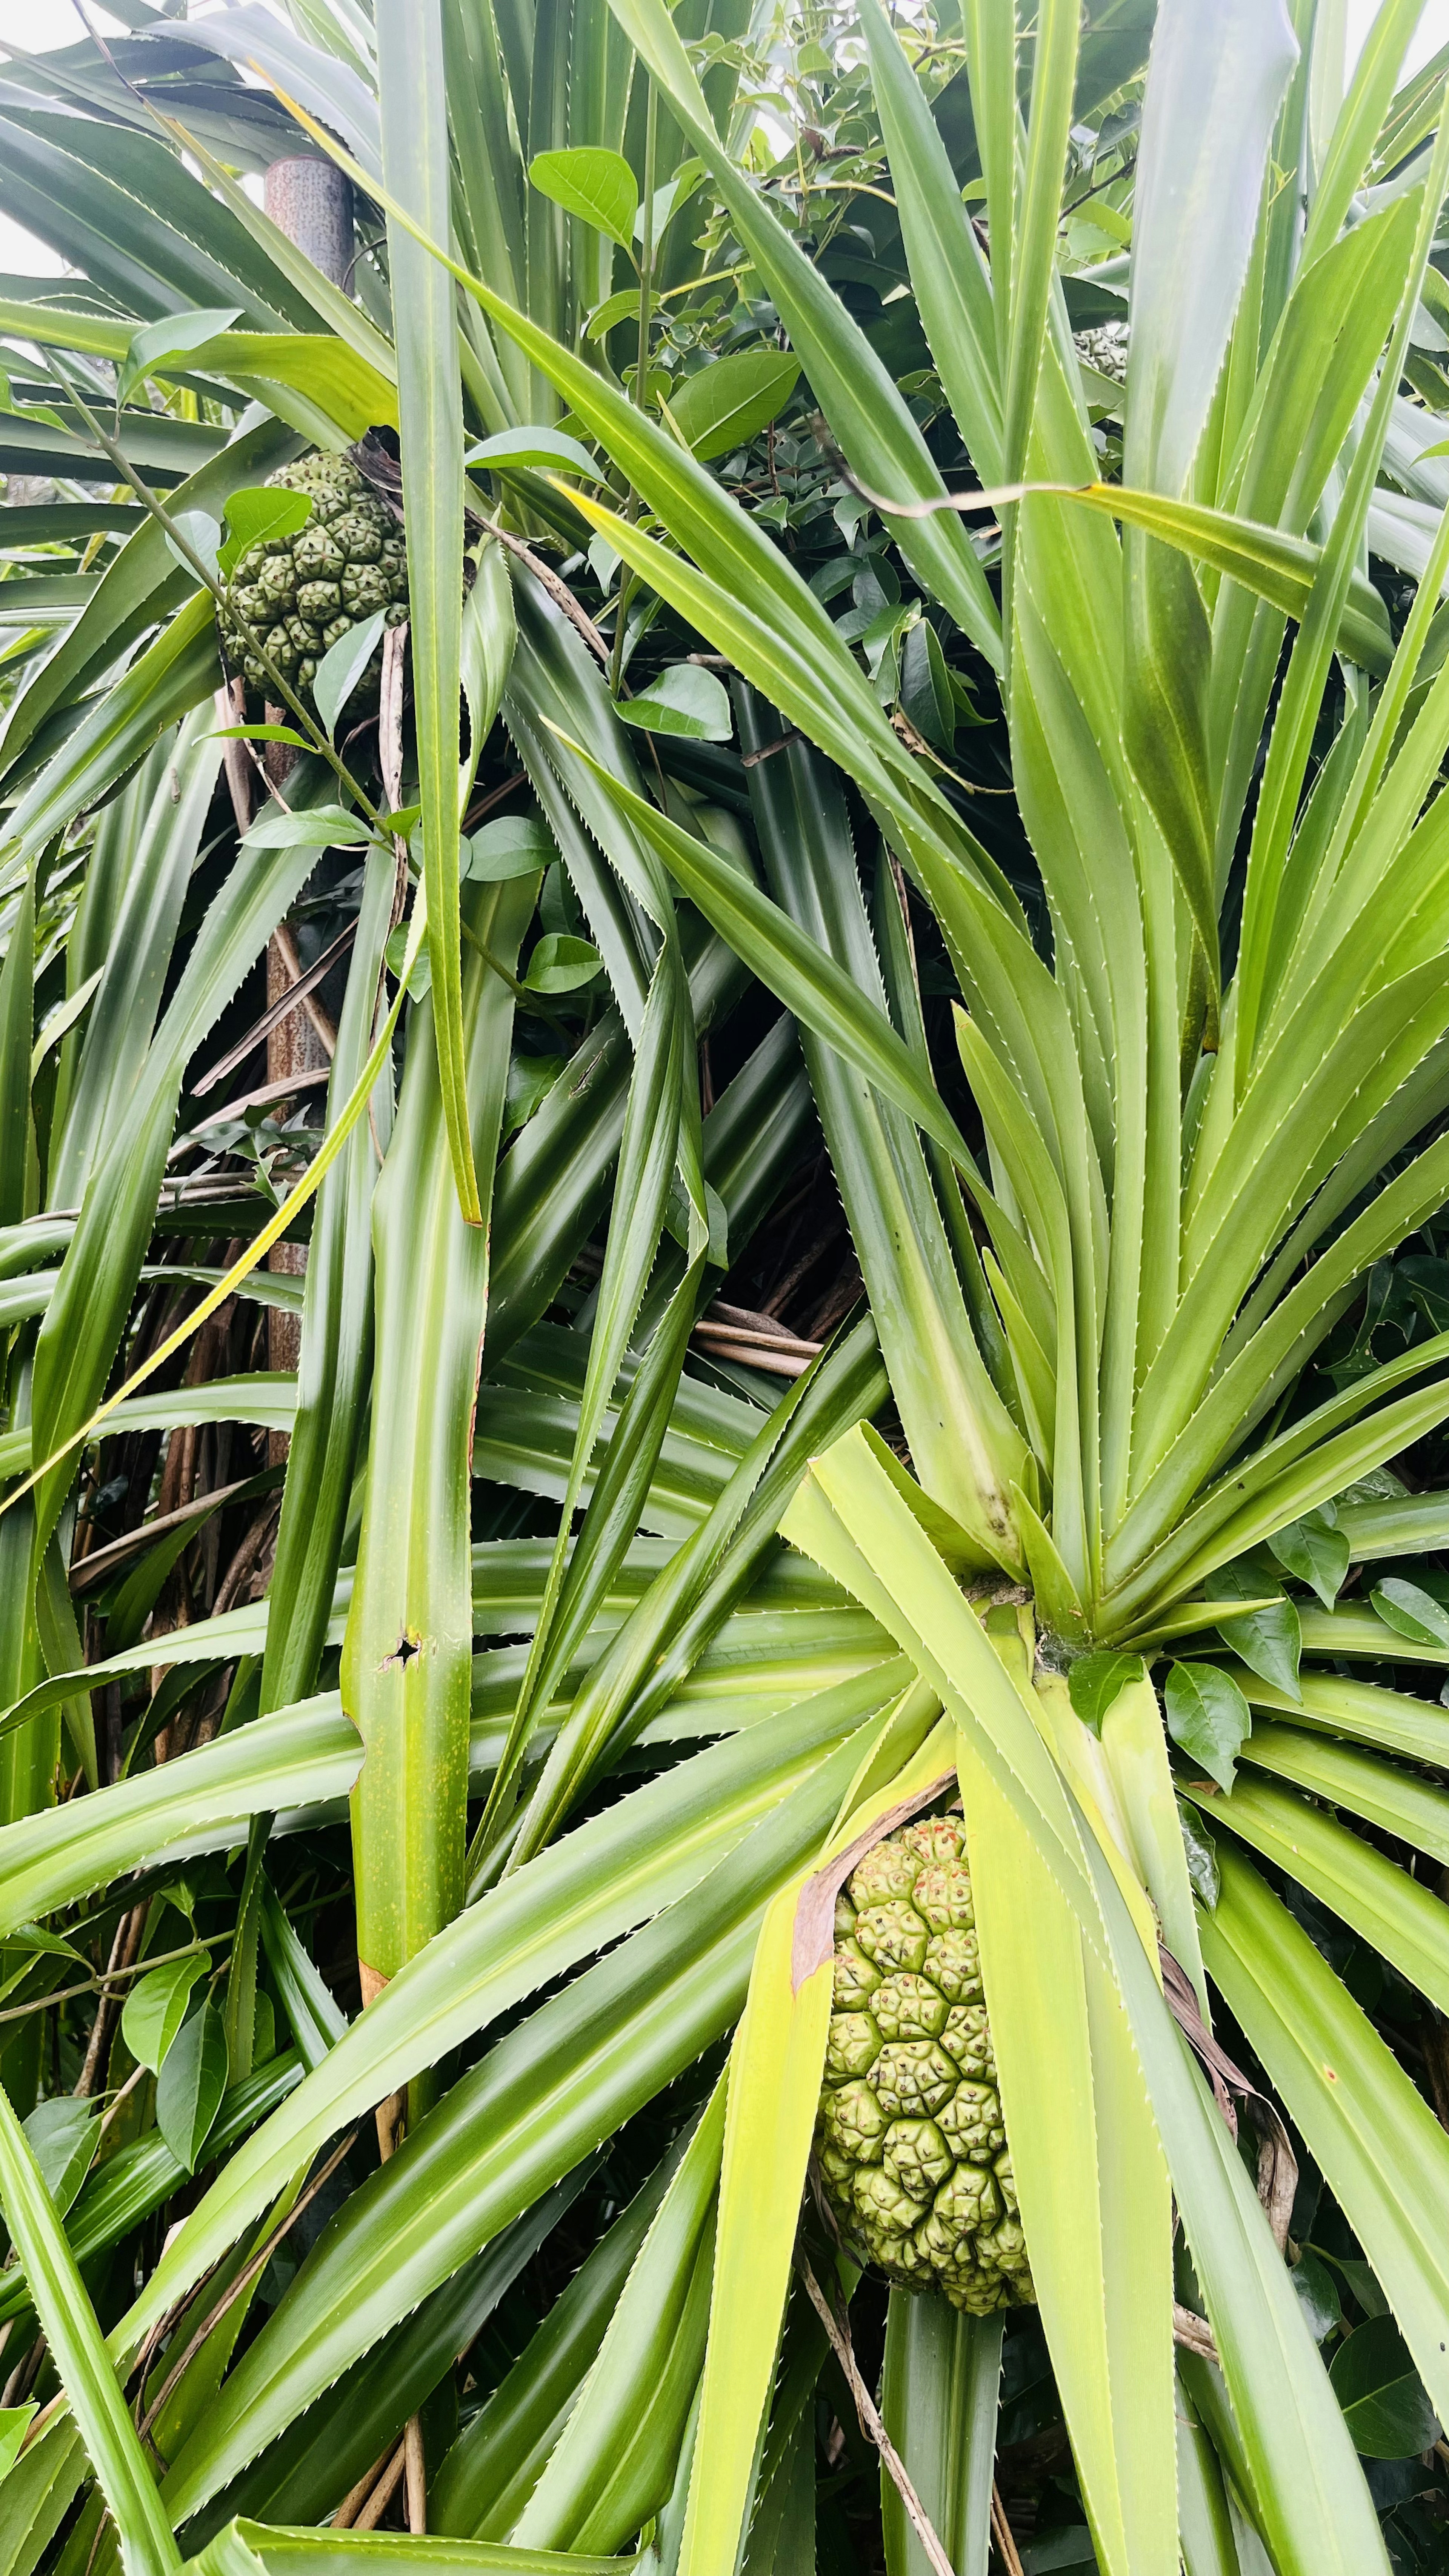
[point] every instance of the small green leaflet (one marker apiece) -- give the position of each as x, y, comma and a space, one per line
1208, 1716
546, 449
323, 824
31, 1936
1315, 1551
1317, 2295
670, 200
1411, 1611
683, 700
191, 2084
64, 2134
1270, 1641
176, 335
202, 534
259, 733
729, 403
596, 185
1385, 2403
342, 666
156, 2008
623, 307
421, 979
530, 1079
1095, 1680
513, 846
926, 696
14, 2424
257, 514
560, 964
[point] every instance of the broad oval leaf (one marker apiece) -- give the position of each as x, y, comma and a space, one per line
623, 307
683, 700
1208, 1716
1385, 2403
560, 964
1411, 1611
191, 2084
202, 534
1269, 1640
320, 827
156, 2008
258, 514
63, 2136
728, 404
342, 666
513, 846
544, 448
592, 183
1094, 1681
1316, 1550
157, 344
1317, 2296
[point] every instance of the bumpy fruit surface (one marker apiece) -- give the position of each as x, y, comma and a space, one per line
302, 594
911, 2140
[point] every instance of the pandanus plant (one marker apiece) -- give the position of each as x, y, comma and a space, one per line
1195, 1109
1205, 1114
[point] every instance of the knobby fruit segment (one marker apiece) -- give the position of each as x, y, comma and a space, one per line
301, 594
911, 2140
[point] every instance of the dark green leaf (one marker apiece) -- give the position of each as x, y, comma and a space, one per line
64, 2134
683, 700
728, 404
1270, 1641
560, 964
1384, 2400
1314, 1550
156, 2008
1411, 1611
1317, 2295
1095, 1680
1208, 1716
926, 694
191, 2084
530, 1079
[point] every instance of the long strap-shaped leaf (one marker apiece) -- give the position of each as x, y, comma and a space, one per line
86, 2371
336, 1340
510, 2129
430, 403
776, 2065
407, 1655
646, 1166
621, 1867
244, 2548
1091, 2178
1367, 2126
